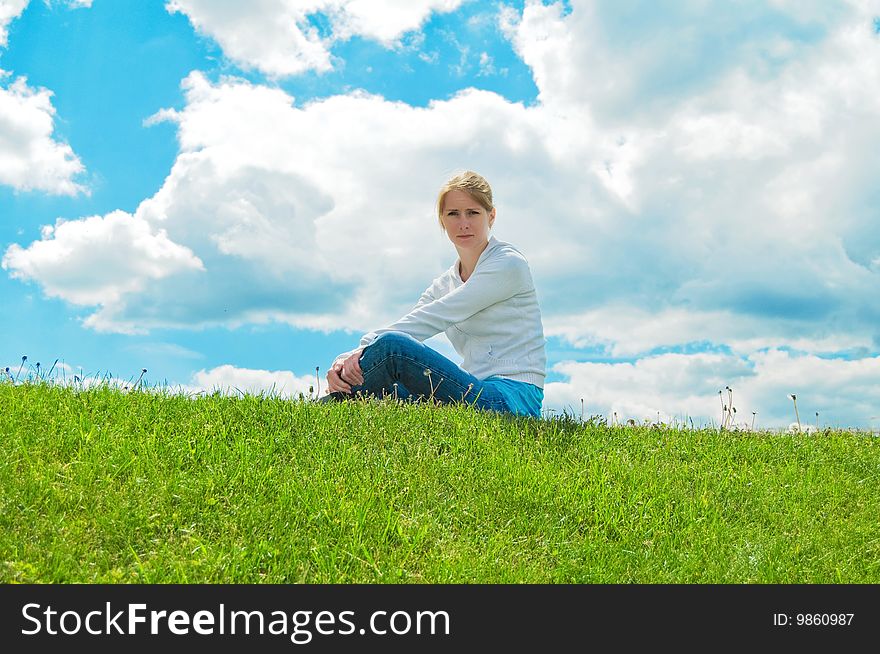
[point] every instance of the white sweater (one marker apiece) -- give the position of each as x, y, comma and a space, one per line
492, 320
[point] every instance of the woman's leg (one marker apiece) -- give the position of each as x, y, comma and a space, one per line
396, 357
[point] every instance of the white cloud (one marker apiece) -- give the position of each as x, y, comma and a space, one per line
487, 65
98, 260
30, 159
744, 188
384, 20
9, 11
288, 211
637, 62
231, 380
272, 35
277, 37
678, 386
625, 331
674, 385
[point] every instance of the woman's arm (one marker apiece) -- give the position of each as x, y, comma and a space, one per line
493, 281
339, 372
427, 296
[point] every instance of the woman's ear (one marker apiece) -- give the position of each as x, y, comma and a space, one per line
491, 217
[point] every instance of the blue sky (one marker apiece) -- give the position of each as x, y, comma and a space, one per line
693, 186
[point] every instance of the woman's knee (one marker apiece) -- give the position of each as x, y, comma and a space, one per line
388, 348
393, 341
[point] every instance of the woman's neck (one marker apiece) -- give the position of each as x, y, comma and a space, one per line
468, 261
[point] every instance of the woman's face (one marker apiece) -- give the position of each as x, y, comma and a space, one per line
465, 220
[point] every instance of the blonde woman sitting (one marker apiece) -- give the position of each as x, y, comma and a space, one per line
485, 303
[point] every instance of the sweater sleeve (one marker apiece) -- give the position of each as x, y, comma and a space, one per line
366, 339
493, 281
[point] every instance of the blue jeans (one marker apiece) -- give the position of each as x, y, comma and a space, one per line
398, 365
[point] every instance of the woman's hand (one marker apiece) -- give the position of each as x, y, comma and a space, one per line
343, 374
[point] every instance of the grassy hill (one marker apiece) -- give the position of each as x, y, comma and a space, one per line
104, 486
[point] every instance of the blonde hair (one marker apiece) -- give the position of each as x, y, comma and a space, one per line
473, 184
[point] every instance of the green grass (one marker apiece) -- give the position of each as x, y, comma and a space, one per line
103, 486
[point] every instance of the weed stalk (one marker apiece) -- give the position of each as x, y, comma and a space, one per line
797, 417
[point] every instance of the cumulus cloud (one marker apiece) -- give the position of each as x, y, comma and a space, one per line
677, 388
626, 331
283, 37
744, 185
637, 62
384, 20
100, 259
9, 11
30, 158
305, 222
231, 380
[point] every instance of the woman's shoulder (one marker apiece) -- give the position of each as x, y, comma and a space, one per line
508, 254
507, 262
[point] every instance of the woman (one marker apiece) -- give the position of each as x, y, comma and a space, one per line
487, 305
